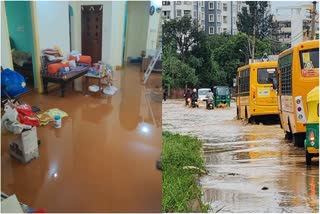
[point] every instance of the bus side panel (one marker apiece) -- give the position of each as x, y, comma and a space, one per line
301, 87
244, 103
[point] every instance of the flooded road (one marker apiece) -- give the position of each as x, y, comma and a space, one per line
251, 167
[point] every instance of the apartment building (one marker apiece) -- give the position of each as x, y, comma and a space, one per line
295, 24
215, 17
221, 16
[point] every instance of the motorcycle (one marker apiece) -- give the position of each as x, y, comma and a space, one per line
210, 105
194, 103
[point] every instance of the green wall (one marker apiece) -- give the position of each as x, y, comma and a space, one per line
20, 27
19, 24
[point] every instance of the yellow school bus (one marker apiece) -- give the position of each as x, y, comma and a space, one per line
298, 73
256, 97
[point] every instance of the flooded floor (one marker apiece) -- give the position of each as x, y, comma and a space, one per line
102, 159
251, 167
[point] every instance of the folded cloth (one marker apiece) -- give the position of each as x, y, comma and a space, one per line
110, 90
82, 59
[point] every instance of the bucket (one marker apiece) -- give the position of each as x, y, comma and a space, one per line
57, 121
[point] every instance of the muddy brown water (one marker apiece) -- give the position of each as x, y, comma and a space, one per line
102, 159
251, 167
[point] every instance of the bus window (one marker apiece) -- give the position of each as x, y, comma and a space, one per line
309, 60
266, 75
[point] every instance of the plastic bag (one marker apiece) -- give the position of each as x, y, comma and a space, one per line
13, 82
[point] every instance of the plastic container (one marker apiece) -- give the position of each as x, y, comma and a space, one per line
57, 121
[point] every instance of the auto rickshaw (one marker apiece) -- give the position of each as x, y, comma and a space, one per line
221, 95
311, 143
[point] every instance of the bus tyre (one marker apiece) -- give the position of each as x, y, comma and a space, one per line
308, 158
288, 136
298, 139
238, 114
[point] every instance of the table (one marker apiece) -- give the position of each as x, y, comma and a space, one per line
61, 78
100, 80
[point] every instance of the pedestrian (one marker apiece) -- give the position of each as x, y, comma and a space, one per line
165, 94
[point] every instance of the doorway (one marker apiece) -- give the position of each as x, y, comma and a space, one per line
20, 31
91, 31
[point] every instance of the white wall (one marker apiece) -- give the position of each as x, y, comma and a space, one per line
152, 35
53, 25
112, 31
6, 58
137, 28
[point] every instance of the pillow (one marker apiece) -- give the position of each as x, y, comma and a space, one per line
83, 59
54, 67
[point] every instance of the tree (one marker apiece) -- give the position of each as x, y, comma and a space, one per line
257, 21
183, 32
176, 74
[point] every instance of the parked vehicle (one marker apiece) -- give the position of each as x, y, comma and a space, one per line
222, 95
202, 93
256, 99
298, 69
311, 143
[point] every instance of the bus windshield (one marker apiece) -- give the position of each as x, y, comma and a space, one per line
222, 91
266, 75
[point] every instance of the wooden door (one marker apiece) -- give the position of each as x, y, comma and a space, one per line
91, 31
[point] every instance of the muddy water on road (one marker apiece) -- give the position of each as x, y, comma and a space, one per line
251, 167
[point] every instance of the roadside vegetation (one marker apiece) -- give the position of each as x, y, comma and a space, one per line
182, 164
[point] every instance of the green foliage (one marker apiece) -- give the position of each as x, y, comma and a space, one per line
199, 60
179, 185
257, 17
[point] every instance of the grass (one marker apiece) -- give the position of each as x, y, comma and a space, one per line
179, 186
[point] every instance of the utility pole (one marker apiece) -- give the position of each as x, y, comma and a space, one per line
313, 20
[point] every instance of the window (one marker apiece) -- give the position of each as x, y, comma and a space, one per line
244, 81
266, 75
202, 16
195, 7
225, 19
219, 30
202, 9
210, 5
187, 2
239, 8
285, 65
309, 59
195, 14
224, 30
166, 3
219, 18
219, 6
210, 30
178, 2
225, 6
211, 18
178, 13
187, 12
166, 14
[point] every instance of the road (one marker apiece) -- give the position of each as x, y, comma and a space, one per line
251, 167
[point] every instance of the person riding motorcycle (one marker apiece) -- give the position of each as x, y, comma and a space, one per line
209, 97
194, 96
187, 96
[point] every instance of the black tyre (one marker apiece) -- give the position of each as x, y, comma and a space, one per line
298, 139
308, 158
288, 136
238, 114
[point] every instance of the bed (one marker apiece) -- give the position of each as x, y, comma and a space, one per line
61, 78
